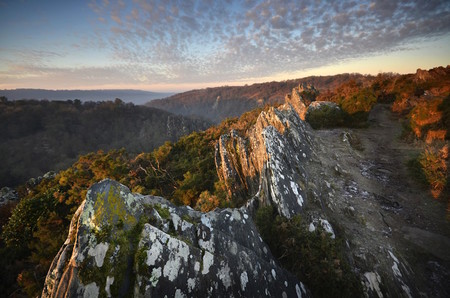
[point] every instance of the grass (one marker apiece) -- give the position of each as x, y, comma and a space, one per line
162, 211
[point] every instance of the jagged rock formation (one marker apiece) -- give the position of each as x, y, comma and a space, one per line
301, 97
268, 162
122, 244
336, 178
352, 183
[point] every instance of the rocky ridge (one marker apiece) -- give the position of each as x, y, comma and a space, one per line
122, 244
217, 104
335, 178
268, 163
345, 181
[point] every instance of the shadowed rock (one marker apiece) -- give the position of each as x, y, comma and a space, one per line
8, 195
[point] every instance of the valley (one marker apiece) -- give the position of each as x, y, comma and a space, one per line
42, 136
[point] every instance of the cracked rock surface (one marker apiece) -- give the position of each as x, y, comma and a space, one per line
353, 181
150, 248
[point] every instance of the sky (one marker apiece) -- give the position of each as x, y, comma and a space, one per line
176, 45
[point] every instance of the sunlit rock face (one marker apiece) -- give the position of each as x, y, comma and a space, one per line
268, 162
301, 97
123, 244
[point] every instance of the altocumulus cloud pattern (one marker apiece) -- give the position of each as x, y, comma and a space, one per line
239, 39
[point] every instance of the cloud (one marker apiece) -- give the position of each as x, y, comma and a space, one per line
180, 41
40, 76
27, 56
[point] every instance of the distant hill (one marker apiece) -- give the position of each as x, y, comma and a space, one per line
137, 97
216, 104
41, 136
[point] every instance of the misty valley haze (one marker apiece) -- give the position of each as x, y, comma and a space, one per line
137, 97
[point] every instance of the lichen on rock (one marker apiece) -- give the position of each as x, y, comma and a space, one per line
186, 253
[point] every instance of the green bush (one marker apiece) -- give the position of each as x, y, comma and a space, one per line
24, 220
325, 117
416, 171
314, 257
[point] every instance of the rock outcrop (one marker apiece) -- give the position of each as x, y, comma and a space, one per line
123, 244
32, 182
330, 177
266, 164
319, 105
301, 97
347, 182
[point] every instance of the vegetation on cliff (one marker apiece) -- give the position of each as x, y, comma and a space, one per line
314, 257
421, 101
183, 172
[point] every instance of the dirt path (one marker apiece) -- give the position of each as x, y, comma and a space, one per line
389, 220
387, 156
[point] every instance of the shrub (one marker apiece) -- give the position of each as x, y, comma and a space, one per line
444, 108
416, 171
425, 115
314, 257
207, 202
434, 167
23, 221
325, 116
430, 169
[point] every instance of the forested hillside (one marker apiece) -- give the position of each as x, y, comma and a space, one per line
216, 104
41, 136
